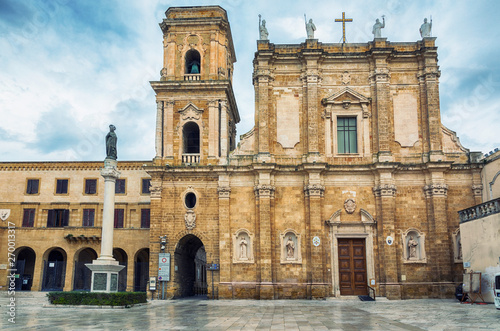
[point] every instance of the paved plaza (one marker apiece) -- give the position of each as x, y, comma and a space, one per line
190, 314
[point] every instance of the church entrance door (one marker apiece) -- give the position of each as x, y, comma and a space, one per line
352, 266
190, 262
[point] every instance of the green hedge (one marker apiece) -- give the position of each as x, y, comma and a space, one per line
96, 299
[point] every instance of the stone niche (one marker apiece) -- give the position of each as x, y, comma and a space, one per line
243, 246
290, 247
413, 246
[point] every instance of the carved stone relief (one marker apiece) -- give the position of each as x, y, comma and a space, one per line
190, 219
350, 206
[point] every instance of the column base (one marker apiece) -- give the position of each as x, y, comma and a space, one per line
104, 275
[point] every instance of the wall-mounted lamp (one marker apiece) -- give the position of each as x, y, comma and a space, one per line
163, 242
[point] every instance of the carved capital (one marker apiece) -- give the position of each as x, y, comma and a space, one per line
314, 190
224, 192
477, 190
385, 190
311, 76
263, 76
381, 75
264, 191
155, 191
437, 190
110, 173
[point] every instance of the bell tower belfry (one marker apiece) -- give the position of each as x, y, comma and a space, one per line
196, 109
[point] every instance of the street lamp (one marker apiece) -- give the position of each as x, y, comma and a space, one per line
163, 242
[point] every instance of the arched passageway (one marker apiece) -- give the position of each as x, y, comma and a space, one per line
141, 270
191, 261
25, 265
83, 276
120, 256
54, 270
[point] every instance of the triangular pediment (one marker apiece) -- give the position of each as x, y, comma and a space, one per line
191, 112
346, 94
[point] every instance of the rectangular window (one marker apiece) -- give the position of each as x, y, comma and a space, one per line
58, 218
28, 218
146, 182
88, 217
120, 186
32, 186
145, 216
62, 186
346, 135
119, 213
90, 186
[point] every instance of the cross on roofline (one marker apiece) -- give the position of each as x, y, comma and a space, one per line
343, 20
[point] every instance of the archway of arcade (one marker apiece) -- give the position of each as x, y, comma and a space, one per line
25, 266
54, 269
190, 273
83, 276
141, 270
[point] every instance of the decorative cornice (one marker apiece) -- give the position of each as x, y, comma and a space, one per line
224, 192
385, 190
438, 190
314, 190
264, 191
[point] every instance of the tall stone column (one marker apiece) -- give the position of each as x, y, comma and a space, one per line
105, 269
311, 81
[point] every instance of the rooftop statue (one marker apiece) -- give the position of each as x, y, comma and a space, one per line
262, 29
377, 27
310, 28
426, 28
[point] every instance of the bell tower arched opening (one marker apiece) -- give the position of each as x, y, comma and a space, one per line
192, 62
191, 260
191, 138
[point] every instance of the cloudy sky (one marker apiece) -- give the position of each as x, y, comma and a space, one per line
68, 68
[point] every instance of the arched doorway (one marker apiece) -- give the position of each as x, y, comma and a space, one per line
120, 256
192, 62
191, 261
141, 270
83, 276
54, 270
25, 265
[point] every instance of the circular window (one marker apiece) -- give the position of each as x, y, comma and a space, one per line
190, 200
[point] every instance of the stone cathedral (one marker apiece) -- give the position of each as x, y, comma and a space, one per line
348, 183
347, 180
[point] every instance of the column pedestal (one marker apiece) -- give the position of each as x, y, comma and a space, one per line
105, 269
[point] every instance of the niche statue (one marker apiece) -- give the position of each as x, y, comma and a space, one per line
111, 143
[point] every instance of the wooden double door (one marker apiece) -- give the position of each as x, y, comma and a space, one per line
352, 266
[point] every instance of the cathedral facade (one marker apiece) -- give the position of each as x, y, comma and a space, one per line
348, 184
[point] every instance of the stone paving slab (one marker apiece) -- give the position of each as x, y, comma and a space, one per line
425, 314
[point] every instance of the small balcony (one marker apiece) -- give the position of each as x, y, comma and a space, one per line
485, 209
192, 77
190, 158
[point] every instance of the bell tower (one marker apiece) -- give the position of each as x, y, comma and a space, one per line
196, 109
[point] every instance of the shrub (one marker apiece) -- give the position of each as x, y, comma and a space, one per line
96, 298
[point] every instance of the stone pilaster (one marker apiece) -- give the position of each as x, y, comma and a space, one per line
264, 193
159, 129
384, 118
168, 129
225, 240
311, 80
224, 130
440, 242
386, 209
262, 80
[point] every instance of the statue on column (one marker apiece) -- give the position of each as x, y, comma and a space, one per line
262, 29
412, 246
426, 28
111, 143
310, 28
377, 27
